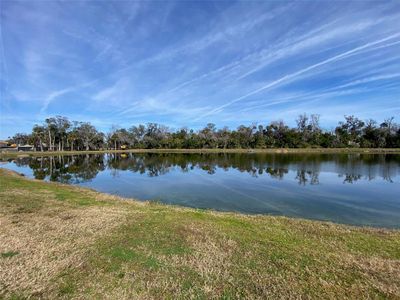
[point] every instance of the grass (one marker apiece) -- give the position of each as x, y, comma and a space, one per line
59, 241
9, 254
8, 154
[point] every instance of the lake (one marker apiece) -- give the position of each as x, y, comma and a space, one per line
358, 189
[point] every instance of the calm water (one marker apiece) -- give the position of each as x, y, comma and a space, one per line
353, 189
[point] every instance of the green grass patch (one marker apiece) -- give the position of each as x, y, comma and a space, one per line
9, 254
376, 245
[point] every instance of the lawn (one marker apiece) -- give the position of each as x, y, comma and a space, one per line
59, 241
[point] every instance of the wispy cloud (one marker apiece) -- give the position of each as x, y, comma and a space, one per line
58, 93
52, 96
188, 64
292, 76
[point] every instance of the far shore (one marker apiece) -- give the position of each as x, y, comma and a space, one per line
12, 154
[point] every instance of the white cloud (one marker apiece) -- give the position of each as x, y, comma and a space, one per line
292, 76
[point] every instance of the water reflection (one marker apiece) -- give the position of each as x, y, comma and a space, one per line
349, 168
72, 169
353, 189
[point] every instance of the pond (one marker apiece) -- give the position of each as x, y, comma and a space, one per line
358, 189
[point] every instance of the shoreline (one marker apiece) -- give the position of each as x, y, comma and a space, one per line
182, 207
10, 154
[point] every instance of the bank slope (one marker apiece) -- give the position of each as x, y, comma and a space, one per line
59, 241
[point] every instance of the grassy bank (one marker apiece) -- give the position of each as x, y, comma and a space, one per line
59, 241
8, 154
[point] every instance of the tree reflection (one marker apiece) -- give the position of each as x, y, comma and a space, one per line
351, 178
65, 169
277, 173
306, 167
307, 177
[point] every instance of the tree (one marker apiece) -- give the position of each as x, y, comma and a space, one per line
277, 134
388, 128
20, 138
208, 136
259, 140
309, 129
388, 124
51, 128
39, 134
73, 135
62, 124
223, 136
137, 134
372, 136
349, 132
245, 135
315, 129
88, 134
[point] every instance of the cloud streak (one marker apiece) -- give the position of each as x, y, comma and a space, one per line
290, 77
188, 64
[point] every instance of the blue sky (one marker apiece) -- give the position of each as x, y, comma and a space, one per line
189, 63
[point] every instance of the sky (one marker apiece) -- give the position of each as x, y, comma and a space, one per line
121, 63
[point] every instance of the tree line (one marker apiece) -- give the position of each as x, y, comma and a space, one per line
60, 134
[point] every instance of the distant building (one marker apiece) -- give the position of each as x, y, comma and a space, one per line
26, 148
4, 144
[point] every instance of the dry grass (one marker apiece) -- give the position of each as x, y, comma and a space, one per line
46, 239
48, 243
59, 241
